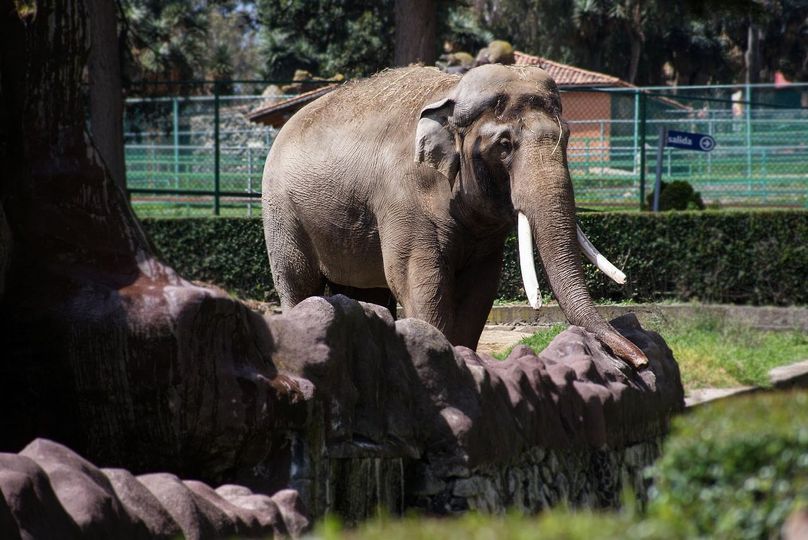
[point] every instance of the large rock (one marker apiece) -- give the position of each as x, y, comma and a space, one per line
49, 491
31, 501
401, 384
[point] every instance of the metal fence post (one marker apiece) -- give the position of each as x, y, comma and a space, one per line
748, 109
176, 116
249, 182
643, 111
636, 134
216, 150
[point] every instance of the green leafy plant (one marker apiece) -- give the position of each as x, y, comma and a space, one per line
728, 257
735, 468
676, 195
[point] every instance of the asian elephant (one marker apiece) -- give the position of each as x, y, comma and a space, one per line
411, 181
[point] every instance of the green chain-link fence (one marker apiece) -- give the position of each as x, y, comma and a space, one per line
760, 156
192, 154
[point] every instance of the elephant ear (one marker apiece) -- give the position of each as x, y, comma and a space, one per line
434, 140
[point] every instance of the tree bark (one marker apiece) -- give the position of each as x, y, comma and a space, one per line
104, 347
106, 93
752, 54
416, 32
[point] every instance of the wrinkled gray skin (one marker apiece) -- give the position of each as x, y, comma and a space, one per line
411, 181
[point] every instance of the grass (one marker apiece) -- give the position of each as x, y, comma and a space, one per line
559, 524
712, 352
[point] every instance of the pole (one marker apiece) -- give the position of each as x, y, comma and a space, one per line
635, 138
748, 109
643, 111
249, 180
663, 138
176, 116
216, 149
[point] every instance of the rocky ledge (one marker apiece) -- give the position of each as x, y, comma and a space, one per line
387, 413
394, 400
49, 491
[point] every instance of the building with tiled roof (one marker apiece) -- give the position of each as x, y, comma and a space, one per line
568, 77
588, 110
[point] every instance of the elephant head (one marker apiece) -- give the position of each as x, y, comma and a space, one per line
499, 134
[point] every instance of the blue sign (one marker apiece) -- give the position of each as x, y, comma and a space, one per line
690, 141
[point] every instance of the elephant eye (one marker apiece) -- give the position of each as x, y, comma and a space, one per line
506, 146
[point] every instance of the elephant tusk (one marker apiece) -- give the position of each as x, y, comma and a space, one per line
596, 258
526, 262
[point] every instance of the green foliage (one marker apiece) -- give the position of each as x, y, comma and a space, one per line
462, 30
683, 42
326, 37
676, 195
730, 257
229, 252
555, 525
735, 468
182, 40
538, 341
712, 352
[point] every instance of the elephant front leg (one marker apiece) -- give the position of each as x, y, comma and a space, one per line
425, 291
475, 291
456, 303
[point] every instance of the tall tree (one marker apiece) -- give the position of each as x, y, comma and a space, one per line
106, 95
416, 32
325, 37
104, 347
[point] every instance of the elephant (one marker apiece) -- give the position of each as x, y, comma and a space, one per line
404, 186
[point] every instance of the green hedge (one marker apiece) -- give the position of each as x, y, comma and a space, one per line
729, 256
736, 468
229, 252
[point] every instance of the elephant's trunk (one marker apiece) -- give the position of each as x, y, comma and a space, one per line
551, 214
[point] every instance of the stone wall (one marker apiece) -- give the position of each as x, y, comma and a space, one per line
403, 420
389, 414
536, 480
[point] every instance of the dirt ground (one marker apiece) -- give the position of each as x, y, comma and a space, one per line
498, 338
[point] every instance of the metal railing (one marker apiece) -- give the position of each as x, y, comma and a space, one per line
199, 155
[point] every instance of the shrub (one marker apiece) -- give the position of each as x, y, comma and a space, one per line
229, 252
731, 257
728, 257
735, 468
677, 195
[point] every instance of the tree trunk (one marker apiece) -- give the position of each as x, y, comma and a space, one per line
104, 347
416, 32
106, 96
752, 54
634, 63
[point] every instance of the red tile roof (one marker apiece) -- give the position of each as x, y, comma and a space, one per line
276, 114
566, 75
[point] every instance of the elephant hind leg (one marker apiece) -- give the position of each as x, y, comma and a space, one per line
295, 269
381, 296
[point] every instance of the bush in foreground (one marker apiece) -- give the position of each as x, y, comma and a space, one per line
735, 468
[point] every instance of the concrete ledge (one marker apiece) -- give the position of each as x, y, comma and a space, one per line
783, 377
791, 376
763, 317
